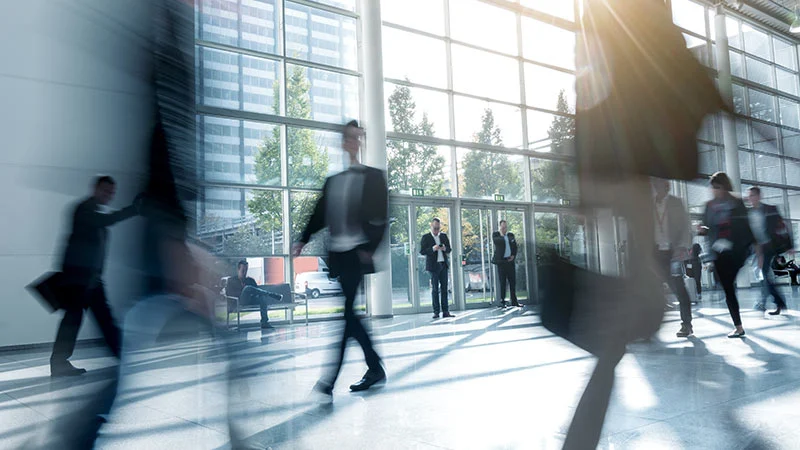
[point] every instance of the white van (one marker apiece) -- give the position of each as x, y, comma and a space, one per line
315, 284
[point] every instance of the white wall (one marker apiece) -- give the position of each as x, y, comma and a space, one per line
74, 102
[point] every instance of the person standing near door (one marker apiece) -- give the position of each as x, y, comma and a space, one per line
436, 248
505, 252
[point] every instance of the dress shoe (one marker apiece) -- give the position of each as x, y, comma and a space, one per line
65, 369
736, 334
323, 392
435, 315
447, 314
777, 311
267, 326
502, 304
684, 332
371, 378
516, 304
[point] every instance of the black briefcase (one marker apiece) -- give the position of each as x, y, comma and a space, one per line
49, 290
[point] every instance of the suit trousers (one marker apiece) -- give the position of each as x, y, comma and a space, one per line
507, 273
255, 296
768, 286
94, 299
439, 289
664, 259
350, 276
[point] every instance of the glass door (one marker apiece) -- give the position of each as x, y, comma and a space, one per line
424, 215
476, 256
564, 233
516, 223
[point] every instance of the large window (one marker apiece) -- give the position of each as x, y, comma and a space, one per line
261, 66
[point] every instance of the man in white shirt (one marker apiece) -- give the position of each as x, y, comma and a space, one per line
436, 248
505, 252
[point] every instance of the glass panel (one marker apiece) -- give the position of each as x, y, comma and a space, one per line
335, 95
689, 15
220, 78
424, 215
487, 122
792, 172
485, 74
414, 165
320, 36
553, 181
785, 53
417, 111
407, 14
746, 165
756, 42
794, 206
710, 131
268, 270
573, 235
787, 81
515, 220
762, 105
791, 143
481, 174
759, 72
220, 149
549, 89
790, 115
551, 133
477, 253
219, 21
349, 5
731, 27
262, 154
301, 205
708, 159
259, 80
259, 25
402, 250
737, 65
483, 25
547, 241
738, 99
415, 58
562, 9
742, 133
325, 298
765, 137
241, 222
698, 194
313, 155
768, 168
548, 44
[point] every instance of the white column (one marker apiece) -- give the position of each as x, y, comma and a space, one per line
378, 285
726, 90
607, 245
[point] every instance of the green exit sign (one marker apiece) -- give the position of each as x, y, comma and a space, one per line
417, 192
499, 197
566, 202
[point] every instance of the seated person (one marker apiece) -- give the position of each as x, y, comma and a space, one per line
246, 290
780, 264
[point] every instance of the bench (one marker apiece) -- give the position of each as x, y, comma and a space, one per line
289, 301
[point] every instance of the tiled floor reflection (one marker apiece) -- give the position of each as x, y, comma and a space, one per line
487, 379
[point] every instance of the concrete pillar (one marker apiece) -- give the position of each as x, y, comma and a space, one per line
726, 90
379, 285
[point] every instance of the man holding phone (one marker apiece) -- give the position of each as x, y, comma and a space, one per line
436, 246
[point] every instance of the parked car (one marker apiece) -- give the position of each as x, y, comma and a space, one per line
477, 277
315, 284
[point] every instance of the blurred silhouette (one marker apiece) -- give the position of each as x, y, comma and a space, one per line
246, 290
727, 228
642, 97
505, 252
673, 238
772, 238
694, 268
790, 268
82, 275
436, 248
354, 207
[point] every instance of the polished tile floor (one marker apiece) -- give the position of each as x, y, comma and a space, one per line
488, 379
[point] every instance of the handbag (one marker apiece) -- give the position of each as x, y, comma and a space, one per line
49, 290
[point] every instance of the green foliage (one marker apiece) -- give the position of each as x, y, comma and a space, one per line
486, 173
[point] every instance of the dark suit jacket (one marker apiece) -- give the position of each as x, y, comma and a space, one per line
431, 257
737, 230
85, 254
775, 225
500, 246
235, 286
372, 215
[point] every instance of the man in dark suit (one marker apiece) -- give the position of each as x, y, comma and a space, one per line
673, 240
246, 290
354, 208
772, 239
82, 267
505, 252
436, 248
